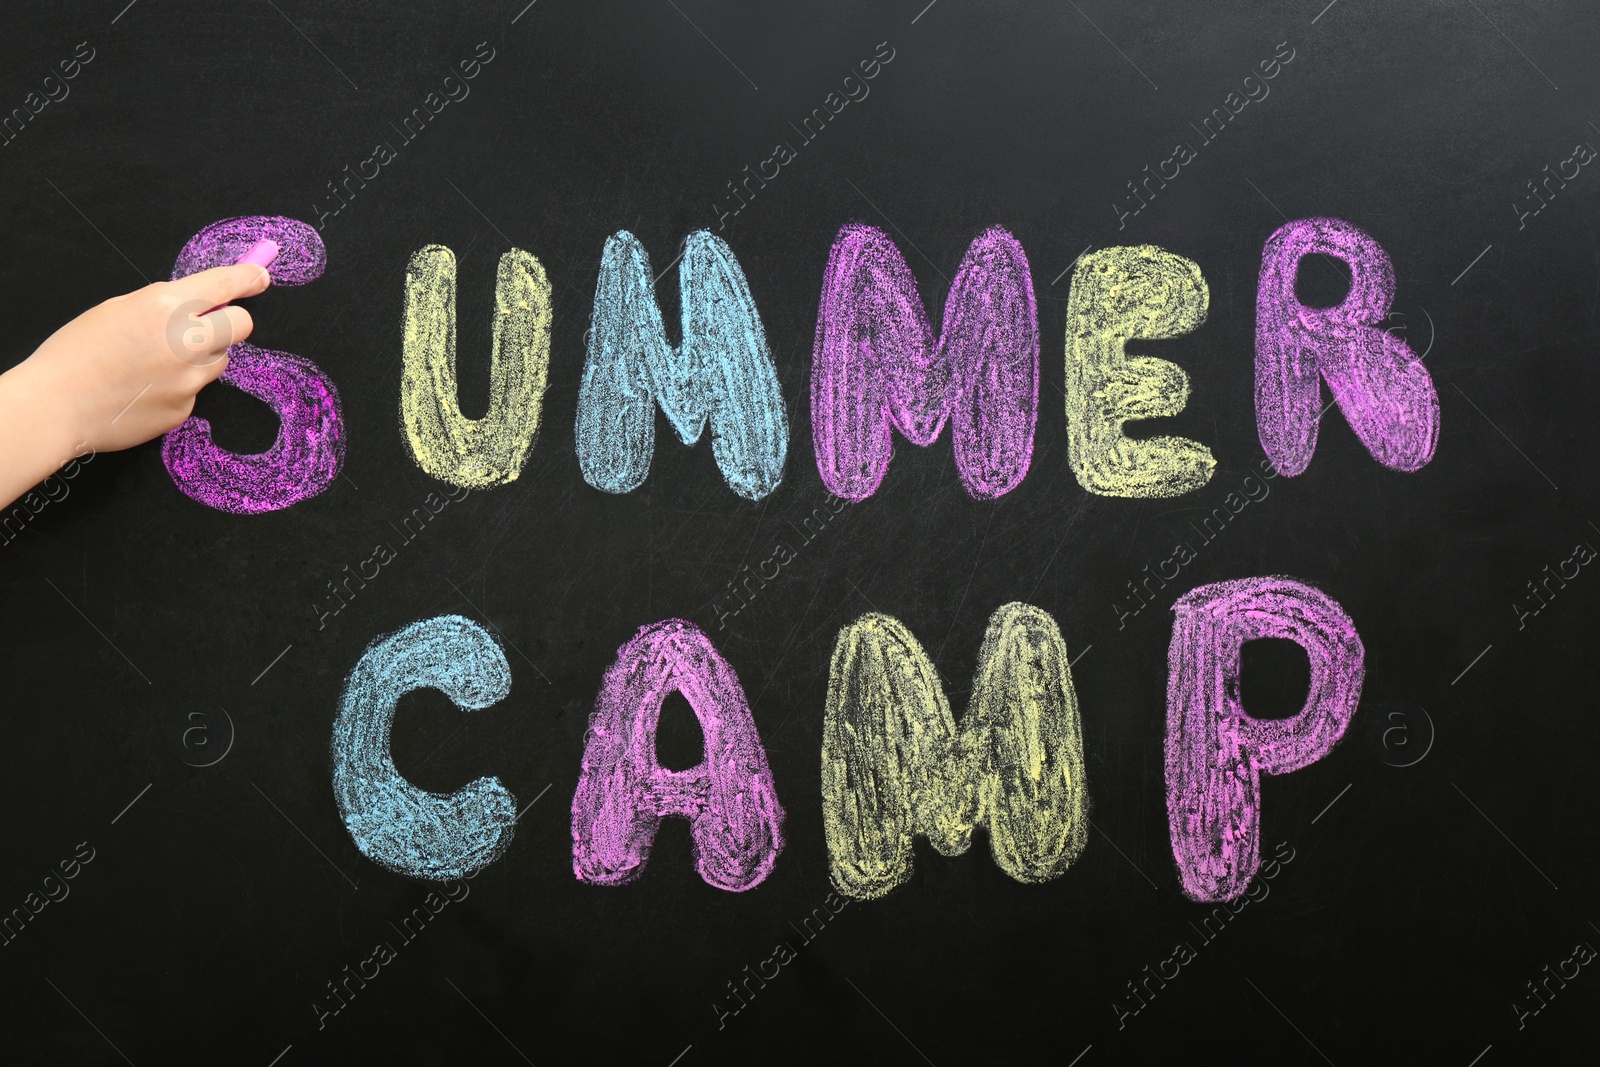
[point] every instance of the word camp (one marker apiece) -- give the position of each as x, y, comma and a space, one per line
895, 764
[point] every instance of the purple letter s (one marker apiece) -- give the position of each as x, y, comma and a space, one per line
309, 451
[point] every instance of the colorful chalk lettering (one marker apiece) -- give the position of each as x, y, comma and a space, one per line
437, 836
722, 373
1118, 295
473, 453
623, 792
876, 369
309, 450
1215, 751
1380, 385
894, 765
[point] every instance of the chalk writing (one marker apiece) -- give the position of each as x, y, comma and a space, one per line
722, 372
875, 367
894, 765
309, 450
1380, 385
623, 793
1215, 752
473, 453
1119, 294
406, 829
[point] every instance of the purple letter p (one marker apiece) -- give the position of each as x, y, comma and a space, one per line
1216, 753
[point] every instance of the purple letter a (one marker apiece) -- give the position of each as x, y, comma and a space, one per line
624, 793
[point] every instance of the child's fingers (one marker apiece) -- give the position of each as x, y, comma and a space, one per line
210, 372
222, 284
228, 326
200, 339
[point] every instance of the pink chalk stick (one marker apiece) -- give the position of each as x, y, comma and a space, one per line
261, 254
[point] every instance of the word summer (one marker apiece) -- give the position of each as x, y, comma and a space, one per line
877, 369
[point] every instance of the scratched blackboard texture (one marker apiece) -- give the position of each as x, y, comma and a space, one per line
1429, 884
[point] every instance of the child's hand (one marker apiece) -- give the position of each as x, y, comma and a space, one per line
128, 370
121, 373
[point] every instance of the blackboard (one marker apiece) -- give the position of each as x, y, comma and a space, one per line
175, 670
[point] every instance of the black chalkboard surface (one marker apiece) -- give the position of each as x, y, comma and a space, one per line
197, 872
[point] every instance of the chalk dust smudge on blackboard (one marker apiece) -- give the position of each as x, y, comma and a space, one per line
623, 793
1121, 294
473, 453
894, 765
876, 369
721, 373
406, 829
1215, 752
1384, 390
